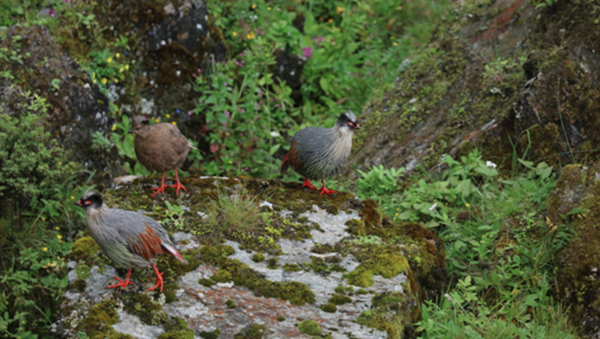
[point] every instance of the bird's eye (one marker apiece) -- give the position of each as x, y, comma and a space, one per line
348, 123
87, 202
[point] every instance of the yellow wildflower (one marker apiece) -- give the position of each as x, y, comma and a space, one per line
109, 60
250, 35
72, 198
57, 228
121, 70
93, 75
268, 55
253, 6
43, 218
126, 67
118, 55
395, 44
116, 80
59, 236
103, 81
230, 162
94, 81
330, 21
339, 10
467, 205
168, 115
60, 163
234, 33
45, 248
174, 123
114, 127
268, 8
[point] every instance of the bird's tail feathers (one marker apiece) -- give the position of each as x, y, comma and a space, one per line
175, 253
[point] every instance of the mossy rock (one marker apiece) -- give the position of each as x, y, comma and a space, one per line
99, 320
339, 299
329, 308
254, 331
378, 260
211, 335
177, 328
310, 327
142, 305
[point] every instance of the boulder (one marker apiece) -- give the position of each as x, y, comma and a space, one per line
314, 265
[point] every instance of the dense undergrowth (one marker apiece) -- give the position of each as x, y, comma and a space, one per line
499, 246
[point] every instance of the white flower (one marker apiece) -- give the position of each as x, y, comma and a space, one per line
490, 164
275, 134
432, 208
447, 296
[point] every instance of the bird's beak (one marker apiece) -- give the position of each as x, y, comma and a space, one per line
357, 126
131, 131
78, 203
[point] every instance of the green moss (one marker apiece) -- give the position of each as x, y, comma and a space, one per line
344, 289
184, 242
172, 268
319, 266
211, 335
233, 270
255, 331
361, 291
281, 318
80, 285
340, 299
176, 328
149, 312
291, 267
258, 257
230, 304
99, 320
329, 308
169, 291
356, 227
206, 282
273, 263
83, 248
310, 327
381, 260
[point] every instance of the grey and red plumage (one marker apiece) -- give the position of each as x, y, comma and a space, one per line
128, 238
317, 153
161, 148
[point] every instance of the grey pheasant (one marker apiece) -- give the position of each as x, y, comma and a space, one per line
128, 238
317, 153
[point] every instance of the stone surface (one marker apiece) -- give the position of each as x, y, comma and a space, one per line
204, 308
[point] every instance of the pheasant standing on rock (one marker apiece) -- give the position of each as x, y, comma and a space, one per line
317, 153
128, 238
160, 147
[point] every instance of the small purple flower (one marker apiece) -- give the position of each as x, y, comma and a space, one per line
261, 102
178, 111
259, 32
135, 29
227, 114
243, 110
276, 105
150, 33
189, 112
51, 12
127, 53
245, 168
307, 52
255, 105
225, 84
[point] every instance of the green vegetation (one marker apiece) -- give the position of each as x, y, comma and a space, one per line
310, 327
502, 268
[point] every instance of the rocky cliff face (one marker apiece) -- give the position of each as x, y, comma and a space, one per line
503, 77
329, 266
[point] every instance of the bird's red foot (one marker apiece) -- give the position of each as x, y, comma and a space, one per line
309, 184
122, 283
324, 190
178, 184
159, 281
161, 188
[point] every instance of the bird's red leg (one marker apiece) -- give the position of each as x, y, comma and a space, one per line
309, 184
159, 281
123, 283
177, 185
325, 190
160, 189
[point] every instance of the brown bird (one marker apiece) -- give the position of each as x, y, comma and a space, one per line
317, 153
128, 238
161, 148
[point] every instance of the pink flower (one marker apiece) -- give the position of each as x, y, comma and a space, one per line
227, 114
259, 32
225, 84
307, 51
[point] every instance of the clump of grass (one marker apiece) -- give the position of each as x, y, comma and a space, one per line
234, 217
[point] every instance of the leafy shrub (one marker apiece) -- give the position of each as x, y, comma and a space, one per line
30, 159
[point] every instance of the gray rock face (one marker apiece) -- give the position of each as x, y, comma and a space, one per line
79, 109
